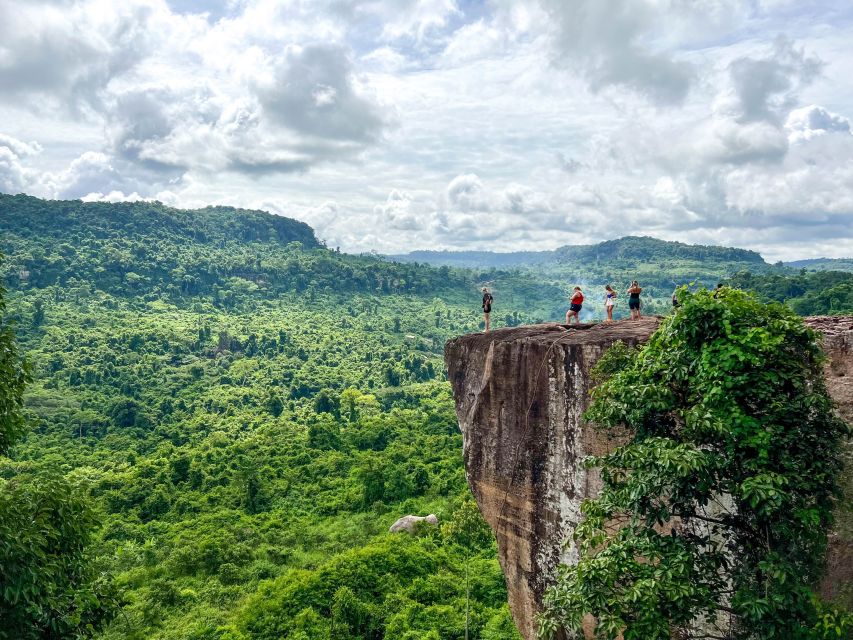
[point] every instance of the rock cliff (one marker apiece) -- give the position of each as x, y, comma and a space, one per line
520, 394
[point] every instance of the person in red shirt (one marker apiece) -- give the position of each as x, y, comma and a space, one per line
575, 306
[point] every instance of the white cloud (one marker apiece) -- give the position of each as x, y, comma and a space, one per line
312, 91
813, 121
15, 177
613, 41
401, 212
415, 19
90, 173
114, 196
401, 124
466, 193
384, 59
725, 140
765, 87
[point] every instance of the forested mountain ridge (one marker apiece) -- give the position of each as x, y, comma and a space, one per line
27, 215
653, 249
807, 292
822, 264
224, 254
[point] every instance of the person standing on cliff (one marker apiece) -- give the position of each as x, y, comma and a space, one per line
634, 292
487, 306
609, 301
575, 306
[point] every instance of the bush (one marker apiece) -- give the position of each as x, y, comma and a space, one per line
723, 494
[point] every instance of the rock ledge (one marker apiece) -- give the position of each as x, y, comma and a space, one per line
520, 394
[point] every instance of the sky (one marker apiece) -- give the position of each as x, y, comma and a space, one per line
396, 125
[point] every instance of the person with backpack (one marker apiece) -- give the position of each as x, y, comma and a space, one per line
575, 305
487, 307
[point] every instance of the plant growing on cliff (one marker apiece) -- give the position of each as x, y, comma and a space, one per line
715, 511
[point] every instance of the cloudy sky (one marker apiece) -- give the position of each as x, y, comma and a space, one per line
394, 125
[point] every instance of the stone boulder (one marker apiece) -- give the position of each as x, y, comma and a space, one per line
410, 523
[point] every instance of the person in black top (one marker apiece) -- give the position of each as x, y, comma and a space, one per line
487, 306
634, 292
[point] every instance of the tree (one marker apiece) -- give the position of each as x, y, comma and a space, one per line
125, 412
349, 402
326, 402
274, 404
14, 376
467, 529
38, 313
49, 587
255, 497
324, 433
372, 476
718, 504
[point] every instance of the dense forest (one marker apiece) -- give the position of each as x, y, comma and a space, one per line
240, 413
247, 412
806, 292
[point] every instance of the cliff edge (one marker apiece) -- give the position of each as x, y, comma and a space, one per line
520, 395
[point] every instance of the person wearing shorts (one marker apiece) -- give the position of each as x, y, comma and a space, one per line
634, 292
575, 306
609, 301
487, 307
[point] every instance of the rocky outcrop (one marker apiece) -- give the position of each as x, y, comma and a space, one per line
837, 331
411, 523
520, 395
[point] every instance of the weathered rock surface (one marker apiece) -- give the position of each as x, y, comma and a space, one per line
520, 394
837, 584
411, 523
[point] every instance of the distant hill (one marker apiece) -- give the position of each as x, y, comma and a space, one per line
227, 255
658, 265
629, 248
823, 264
26, 216
645, 248
148, 248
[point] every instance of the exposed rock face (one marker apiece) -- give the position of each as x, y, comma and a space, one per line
520, 394
837, 584
411, 523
